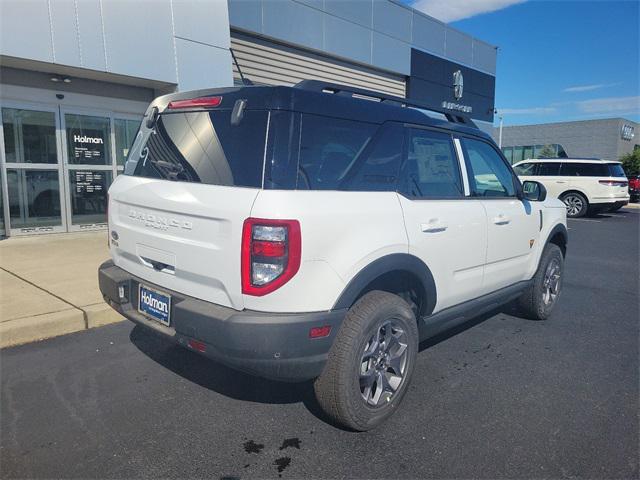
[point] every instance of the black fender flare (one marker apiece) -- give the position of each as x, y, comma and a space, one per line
562, 230
390, 263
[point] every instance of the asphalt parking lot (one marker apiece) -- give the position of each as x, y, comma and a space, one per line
502, 398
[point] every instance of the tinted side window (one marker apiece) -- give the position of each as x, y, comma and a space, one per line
377, 171
549, 169
329, 147
281, 165
431, 168
489, 175
575, 169
525, 169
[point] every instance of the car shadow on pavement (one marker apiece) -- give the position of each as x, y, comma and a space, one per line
508, 309
241, 386
222, 379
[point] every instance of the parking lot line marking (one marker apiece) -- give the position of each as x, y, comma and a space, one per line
584, 220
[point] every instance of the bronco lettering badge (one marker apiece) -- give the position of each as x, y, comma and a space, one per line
159, 222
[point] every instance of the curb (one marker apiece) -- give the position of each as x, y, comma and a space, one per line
48, 325
40, 327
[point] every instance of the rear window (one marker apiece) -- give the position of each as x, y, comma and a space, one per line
202, 147
616, 170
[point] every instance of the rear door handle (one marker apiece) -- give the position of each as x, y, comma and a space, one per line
561, 181
501, 220
433, 226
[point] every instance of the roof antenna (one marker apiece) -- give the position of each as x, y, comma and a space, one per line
245, 81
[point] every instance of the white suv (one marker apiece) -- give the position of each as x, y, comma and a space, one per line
583, 185
321, 232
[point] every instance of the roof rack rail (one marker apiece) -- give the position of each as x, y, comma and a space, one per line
354, 92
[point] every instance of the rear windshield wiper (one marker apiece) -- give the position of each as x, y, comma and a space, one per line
171, 171
176, 167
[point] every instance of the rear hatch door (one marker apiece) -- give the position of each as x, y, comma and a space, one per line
177, 214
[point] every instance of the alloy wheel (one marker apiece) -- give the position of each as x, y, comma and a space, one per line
551, 282
574, 205
383, 364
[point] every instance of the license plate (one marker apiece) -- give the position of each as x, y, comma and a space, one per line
154, 304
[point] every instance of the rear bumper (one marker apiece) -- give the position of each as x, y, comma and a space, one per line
609, 201
601, 207
275, 346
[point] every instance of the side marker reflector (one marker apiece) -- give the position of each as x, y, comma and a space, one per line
320, 332
196, 345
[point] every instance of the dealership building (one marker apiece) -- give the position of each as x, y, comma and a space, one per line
607, 139
76, 78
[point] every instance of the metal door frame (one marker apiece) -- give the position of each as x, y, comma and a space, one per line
4, 166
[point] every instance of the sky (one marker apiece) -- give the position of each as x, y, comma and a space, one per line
557, 60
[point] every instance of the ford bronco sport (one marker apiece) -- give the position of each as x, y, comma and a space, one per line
321, 232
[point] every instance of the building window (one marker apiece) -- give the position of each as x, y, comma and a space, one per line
29, 136
34, 198
528, 152
88, 139
88, 189
508, 154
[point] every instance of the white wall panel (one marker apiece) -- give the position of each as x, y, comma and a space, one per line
25, 30
139, 39
92, 48
202, 66
65, 33
202, 21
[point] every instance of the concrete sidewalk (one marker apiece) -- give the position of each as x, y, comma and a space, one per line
49, 286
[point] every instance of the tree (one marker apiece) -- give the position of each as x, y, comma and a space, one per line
631, 162
548, 152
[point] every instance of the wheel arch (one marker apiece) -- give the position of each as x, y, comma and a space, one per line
392, 273
575, 190
560, 237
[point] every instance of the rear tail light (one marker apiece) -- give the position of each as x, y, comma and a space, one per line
613, 183
195, 103
271, 251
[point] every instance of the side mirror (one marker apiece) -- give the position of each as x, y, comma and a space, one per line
534, 191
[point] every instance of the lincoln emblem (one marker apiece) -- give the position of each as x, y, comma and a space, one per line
458, 84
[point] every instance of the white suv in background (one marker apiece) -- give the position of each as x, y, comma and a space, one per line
321, 232
585, 186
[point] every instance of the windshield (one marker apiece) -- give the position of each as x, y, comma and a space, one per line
202, 147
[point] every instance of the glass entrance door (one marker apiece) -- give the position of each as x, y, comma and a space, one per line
32, 170
57, 164
89, 167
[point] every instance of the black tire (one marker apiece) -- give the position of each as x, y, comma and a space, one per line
576, 203
538, 300
338, 390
